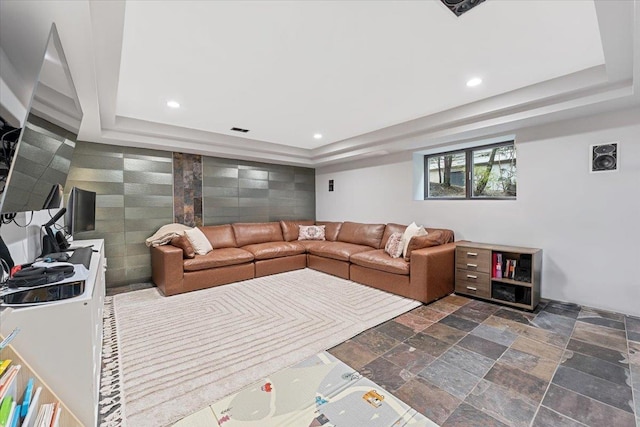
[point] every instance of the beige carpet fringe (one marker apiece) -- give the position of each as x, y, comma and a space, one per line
182, 353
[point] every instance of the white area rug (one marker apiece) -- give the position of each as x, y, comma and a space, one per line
179, 354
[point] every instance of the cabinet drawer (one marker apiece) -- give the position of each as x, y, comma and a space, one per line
471, 288
473, 277
473, 259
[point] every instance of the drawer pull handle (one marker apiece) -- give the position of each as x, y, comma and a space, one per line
472, 253
471, 276
471, 288
472, 265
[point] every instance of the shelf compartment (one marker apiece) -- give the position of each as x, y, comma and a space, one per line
511, 293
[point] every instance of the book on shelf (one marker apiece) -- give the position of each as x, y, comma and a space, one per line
497, 265
30, 418
4, 364
7, 406
8, 383
15, 419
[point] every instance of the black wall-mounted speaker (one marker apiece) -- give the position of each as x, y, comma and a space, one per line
458, 7
604, 157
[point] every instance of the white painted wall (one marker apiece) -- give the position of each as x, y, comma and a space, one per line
588, 225
24, 239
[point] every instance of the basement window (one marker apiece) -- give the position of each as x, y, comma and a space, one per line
484, 172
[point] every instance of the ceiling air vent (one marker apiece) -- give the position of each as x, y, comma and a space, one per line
240, 130
461, 6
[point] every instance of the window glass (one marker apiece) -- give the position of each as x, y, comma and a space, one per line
487, 172
494, 172
447, 175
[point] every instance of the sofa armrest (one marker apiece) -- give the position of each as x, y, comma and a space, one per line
432, 272
167, 269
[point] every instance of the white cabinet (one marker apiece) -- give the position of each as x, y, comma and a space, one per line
62, 341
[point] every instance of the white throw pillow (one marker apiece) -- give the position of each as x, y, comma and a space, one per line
412, 230
199, 241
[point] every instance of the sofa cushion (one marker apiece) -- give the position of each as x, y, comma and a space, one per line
337, 250
199, 241
308, 244
183, 243
389, 229
218, 258
380, 260
311, 232
411, 231
394, 245
290, 229
435, 237
220, 236
258, 232
331, 229
274, 249
361, 234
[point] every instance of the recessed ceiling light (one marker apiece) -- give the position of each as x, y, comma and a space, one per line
474, 82
173, 104
317, 135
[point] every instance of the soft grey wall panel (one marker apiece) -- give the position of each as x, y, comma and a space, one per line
239, 191
134, 198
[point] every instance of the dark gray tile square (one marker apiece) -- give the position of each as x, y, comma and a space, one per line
474, 314
549, 418
596, 367
518, 381
459, 323
555, 323
385, 374
375, 341
563, 309
516, 316
588, 411
466, 415
409, 358
479, 345
596, 388
428, 344
607, 354
395, 330
469, 361
502, 404
496, 335
431, 401
450, 378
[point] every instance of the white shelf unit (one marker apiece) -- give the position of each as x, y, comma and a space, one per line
62, 341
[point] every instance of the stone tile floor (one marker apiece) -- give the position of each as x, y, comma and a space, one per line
466, 362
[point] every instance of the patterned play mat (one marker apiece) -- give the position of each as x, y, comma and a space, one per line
320, 391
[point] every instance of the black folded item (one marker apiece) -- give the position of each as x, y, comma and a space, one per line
36, 276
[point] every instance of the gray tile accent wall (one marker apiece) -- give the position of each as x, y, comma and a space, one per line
135, 197
242, 191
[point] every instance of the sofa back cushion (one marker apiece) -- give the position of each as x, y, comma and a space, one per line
220, 236
434, 237
290, 229
331, 229
389, 229
361, 234
257, 232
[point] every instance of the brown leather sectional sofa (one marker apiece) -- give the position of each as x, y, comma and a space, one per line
351, 250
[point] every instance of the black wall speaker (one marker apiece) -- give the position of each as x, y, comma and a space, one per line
458, 7
604, 157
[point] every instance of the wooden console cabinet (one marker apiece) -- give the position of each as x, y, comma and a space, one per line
476, 273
